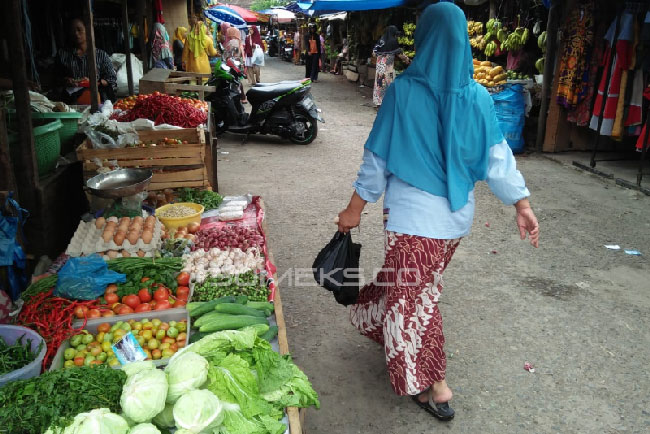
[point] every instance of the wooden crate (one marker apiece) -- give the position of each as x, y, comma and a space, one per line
173, 166
174, 82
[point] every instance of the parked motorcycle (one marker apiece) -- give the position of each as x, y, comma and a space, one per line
284, 109
286, 51
273, 44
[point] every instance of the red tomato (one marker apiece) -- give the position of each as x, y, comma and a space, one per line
183, 279
108, 313
180, 303
131, 300
182, 292
111, 298
162, 305
144, 307
111, 288
104, 327
80, 311
94, 313
124, 310
161, 294
116, 307
144, 295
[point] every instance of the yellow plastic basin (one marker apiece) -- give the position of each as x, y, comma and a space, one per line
176, 222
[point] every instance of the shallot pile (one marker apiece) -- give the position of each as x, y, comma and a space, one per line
227, 237
215, 262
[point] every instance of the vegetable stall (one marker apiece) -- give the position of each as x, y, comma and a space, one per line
185, 335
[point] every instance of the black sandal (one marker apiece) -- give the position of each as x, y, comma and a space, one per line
441, 411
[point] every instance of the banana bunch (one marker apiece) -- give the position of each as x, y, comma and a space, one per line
474, 28
502, 35
516, 40
493, 25
490, 48
541, 41
539, 65
478, 42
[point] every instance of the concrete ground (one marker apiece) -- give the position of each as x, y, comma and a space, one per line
580, 313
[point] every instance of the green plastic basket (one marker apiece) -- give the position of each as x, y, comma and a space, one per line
47, 145
70, 121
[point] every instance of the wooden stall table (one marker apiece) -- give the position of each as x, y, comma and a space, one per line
175, 82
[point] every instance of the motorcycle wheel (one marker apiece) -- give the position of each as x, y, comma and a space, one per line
310, 128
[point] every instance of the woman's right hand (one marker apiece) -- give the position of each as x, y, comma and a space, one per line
348, 219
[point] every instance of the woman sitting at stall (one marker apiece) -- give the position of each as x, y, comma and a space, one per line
198, 47
72, 68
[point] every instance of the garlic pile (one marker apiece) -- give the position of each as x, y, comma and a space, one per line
214, 262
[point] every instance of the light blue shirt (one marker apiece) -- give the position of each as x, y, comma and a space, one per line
416, 212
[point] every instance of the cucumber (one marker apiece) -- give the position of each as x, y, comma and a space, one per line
260, 329
241, 299
208, 306
205, 318
231, 322
238, 309
261, 305
270, 334
193, 305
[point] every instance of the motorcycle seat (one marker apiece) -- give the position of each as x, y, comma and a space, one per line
264, 93
297, 82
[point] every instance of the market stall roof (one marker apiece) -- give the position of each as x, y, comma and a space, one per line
333, 17
300, 8
281, 15
355, 5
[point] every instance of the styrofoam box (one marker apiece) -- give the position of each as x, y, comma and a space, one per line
92, 324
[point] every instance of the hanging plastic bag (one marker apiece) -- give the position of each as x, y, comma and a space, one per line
12, 219
336, 268
258, 56
85, 278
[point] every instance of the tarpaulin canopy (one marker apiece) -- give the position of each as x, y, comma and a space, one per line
355, 5
248, 15
223, 14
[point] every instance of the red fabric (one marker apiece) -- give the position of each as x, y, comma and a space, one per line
399, 310
639, 141
159, 11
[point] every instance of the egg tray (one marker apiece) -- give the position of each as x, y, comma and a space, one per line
87, 240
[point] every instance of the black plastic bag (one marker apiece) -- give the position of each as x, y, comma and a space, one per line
336, 268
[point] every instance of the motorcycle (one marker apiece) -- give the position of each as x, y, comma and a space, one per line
284, 109
272, 42
286, 51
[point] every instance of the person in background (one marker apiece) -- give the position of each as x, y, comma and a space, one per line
161, 56
71, 67
296, 47
198, 46
435, 136
343, 55
313, 50
385, 51
234, 50
177, 46
323, 54
253, 40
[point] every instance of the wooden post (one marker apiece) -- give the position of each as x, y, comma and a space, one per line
26, 170
493, 9
127, 47
552, 27
7, 181
143, 47
91, 57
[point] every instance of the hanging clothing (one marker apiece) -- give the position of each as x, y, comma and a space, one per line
617, 59
197, 48
384, 76
161, 56
574, 62
634, 111
405, 318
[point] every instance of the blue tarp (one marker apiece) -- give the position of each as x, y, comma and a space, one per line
355, 5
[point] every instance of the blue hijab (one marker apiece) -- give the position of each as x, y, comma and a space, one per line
436, 125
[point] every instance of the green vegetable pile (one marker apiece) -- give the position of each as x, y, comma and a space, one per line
250, 284
56, 397
43, 285
16, 356
161, 270
209, 199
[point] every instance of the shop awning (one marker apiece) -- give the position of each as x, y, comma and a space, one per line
355, 5
248, 15
281, 15
333, 17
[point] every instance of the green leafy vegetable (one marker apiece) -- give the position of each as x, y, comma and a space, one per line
55, 398
185, 372
144, 428
143, 395
18, 355
209, 199
198, 411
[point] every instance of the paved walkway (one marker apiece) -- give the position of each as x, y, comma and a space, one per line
579, 312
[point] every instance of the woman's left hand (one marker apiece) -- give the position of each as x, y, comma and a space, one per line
527, 222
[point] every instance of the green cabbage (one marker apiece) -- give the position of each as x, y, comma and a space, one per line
165, 419
198, 411
133, 368
186, 372
98, 421
144, 428
234, 422
143, 395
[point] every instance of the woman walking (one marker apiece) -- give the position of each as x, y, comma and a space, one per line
313, 48
252, 41
385, 51
234, 49
198, 46
433, 139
